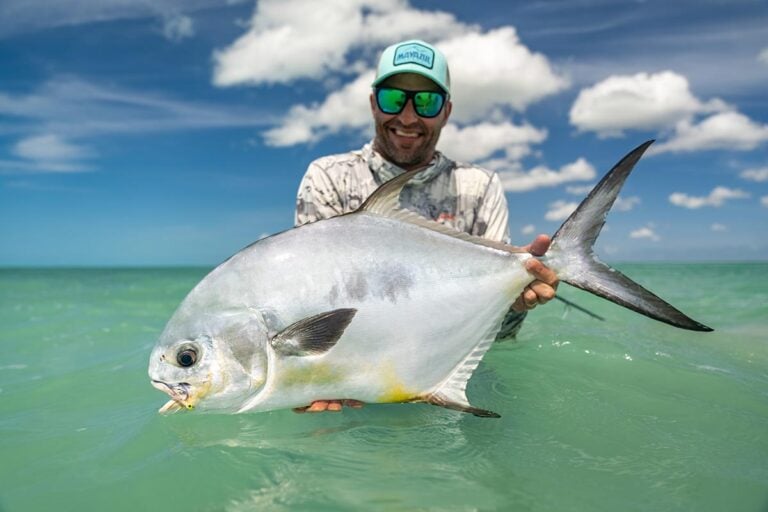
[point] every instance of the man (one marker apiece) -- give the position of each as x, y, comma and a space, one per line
411, 104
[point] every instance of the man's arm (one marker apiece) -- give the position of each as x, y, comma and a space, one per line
492, 217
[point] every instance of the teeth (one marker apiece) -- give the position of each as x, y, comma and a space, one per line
411, 135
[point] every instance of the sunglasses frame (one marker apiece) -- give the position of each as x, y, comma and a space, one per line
410, 96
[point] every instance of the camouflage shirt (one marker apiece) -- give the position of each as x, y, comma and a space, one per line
463, 196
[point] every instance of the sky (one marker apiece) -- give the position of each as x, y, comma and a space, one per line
175, 132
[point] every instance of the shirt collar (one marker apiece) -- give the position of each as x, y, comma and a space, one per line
384, 170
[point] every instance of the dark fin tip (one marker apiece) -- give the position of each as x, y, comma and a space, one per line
441, 401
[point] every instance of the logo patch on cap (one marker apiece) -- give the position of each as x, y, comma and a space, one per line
414, 53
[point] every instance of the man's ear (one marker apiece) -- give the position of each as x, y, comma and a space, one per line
447, 111
372, 100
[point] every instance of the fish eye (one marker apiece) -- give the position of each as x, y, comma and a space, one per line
186, 357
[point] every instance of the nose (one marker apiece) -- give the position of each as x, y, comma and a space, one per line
408, 115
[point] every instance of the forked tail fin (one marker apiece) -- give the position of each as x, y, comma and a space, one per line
571, 252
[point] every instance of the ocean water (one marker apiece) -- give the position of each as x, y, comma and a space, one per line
626, 414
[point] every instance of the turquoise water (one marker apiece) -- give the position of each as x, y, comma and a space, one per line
626, 414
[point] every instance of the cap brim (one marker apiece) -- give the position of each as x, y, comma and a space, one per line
415, 70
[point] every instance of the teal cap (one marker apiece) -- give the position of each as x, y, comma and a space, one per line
414, 56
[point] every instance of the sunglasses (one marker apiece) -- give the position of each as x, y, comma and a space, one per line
426, 103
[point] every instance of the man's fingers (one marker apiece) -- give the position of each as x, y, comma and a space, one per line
543, 292
526, 301
329, 405
542, 273
318, 406
540, 245
542, 289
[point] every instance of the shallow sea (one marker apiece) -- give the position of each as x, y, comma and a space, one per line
626, 414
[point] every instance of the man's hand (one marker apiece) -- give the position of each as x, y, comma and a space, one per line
544, 288
329, 405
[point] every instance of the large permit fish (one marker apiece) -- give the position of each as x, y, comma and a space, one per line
379, 305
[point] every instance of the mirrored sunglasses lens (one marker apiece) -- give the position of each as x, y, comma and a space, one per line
428, 104
391, 101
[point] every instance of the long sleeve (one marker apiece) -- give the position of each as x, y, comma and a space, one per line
493, 213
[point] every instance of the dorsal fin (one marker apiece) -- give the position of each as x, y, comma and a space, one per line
386, 198
385, 201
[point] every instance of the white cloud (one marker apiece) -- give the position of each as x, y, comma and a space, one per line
716, 198
528, 229
541, 176
717, 227
293, 39
625, 204
178, 27
764, 201
47, 153
347, 107
663, 102
481, 141
641, 101
48, 147
289, 40
763, 56
387, 21
759, 174
725, 130
560, 210
495, 68
645, 232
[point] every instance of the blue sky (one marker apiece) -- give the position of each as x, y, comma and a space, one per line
176, 131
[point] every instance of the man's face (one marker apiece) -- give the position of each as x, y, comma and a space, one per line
406, 139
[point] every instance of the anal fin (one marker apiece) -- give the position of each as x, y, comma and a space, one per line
452, 392
443, 401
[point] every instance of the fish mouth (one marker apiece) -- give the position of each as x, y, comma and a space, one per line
179, 393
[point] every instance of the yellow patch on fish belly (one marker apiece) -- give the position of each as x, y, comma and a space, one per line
316, 374
396, 391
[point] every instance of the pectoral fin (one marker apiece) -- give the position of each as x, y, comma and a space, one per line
313, 335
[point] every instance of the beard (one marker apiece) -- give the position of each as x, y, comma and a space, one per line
407, 154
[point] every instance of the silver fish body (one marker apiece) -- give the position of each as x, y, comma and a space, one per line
378, 306
424, 301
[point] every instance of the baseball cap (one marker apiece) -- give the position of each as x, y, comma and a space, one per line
414, 56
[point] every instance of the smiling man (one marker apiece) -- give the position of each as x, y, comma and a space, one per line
411, 104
